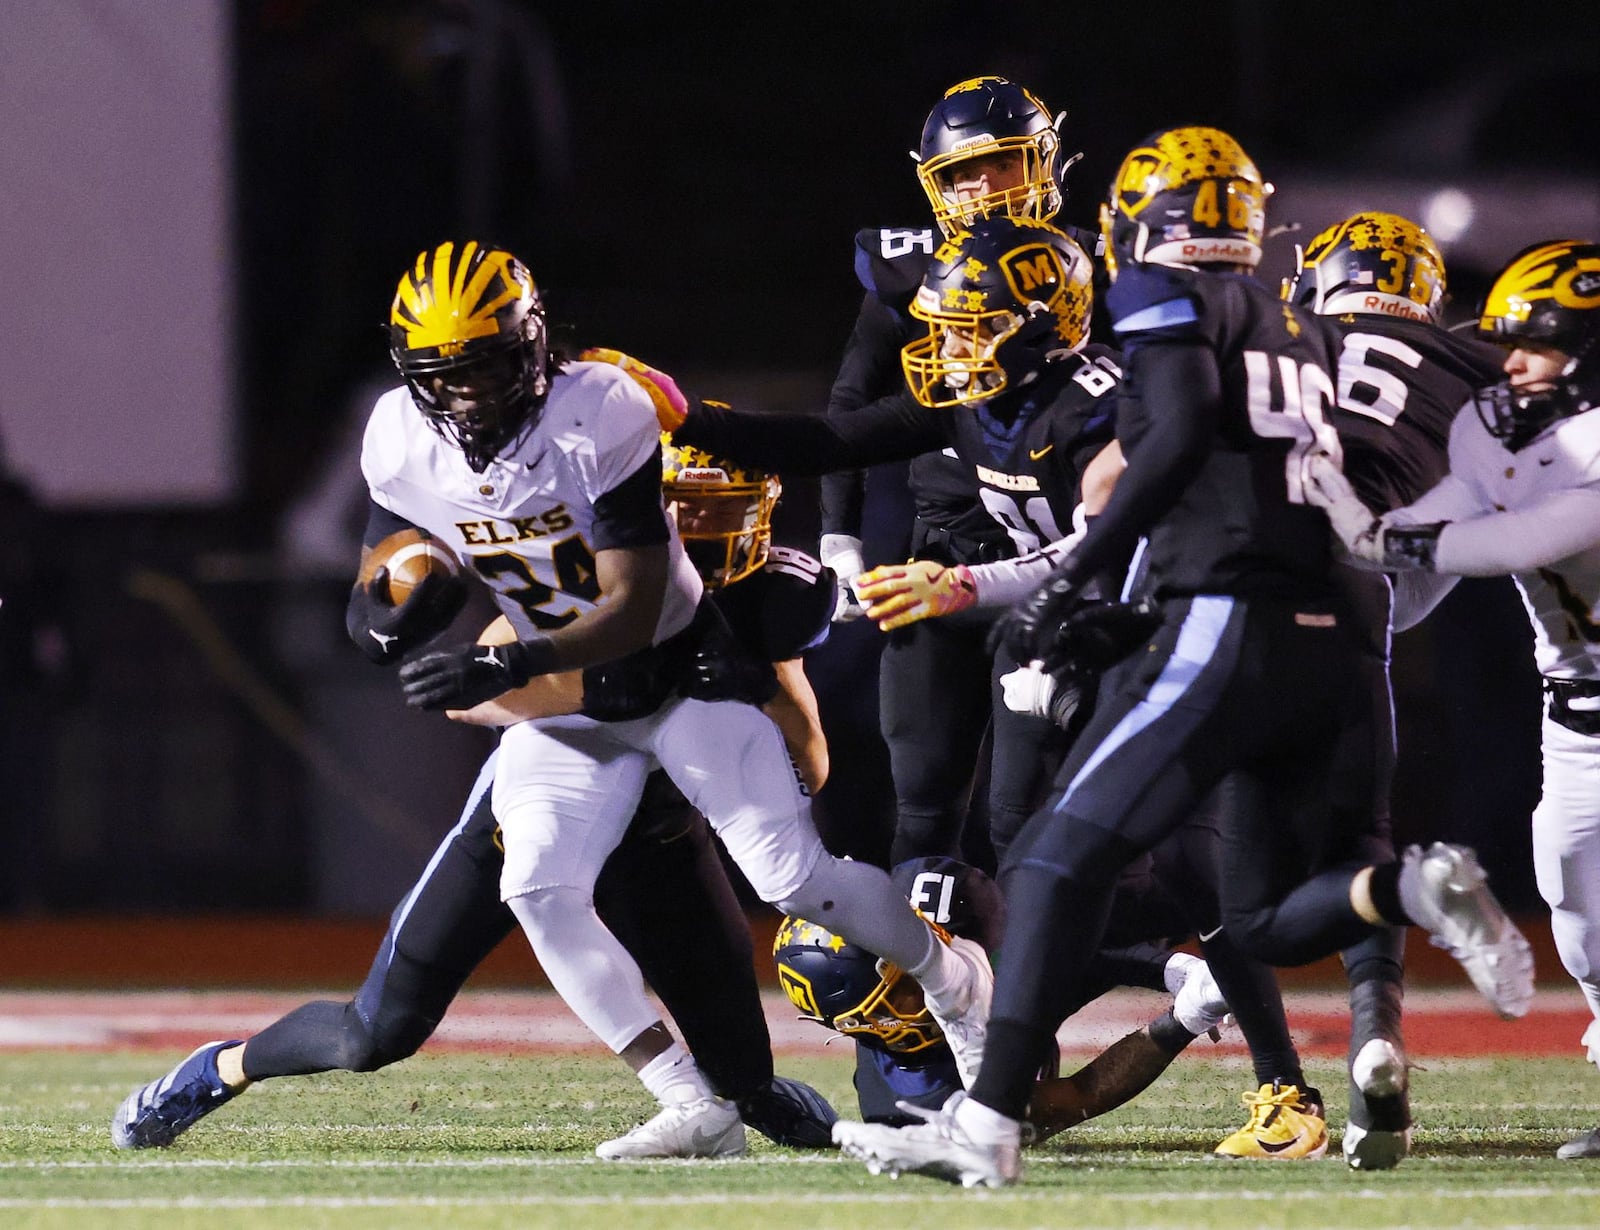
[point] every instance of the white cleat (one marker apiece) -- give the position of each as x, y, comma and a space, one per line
1444, 892
964, 1016
1379, 1071
937, 1148
709, 1127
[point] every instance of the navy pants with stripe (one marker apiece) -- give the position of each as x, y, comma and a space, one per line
1281, 708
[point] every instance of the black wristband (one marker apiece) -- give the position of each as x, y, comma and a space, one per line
1412, 546
525, 659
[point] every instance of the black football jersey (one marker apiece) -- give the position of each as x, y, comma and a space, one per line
781, 610
1024, 467
890, 263
1220, 502
1401, 383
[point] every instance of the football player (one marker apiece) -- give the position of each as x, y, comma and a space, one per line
988, 148
778, 602
1380, 281
1022, 397
1522, 497
901, 1060
1263, 679
545, 478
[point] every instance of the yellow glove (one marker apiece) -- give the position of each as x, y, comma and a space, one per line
672, 407
901, 594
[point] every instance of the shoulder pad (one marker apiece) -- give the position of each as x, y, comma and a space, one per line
890, 261
1152, 299
797, 602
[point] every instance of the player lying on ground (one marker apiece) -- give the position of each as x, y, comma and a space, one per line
902, 1063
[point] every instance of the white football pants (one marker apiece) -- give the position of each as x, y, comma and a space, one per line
1566, 852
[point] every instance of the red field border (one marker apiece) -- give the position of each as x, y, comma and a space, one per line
1439, 1023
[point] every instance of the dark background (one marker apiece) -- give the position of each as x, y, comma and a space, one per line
184, 728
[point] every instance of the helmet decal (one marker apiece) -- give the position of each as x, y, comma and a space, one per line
999, 301
1371, 262
1547, 296
1186, 196
723, 511
467, 331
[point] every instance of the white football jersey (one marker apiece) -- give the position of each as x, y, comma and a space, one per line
1541, 503
524, 524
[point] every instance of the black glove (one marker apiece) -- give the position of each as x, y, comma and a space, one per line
462, 678
727, 672
1098, 635
384, 632
1028, 630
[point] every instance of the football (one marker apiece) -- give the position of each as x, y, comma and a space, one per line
409, 555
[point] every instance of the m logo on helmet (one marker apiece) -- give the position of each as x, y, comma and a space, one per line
798, 988
1135, 185
1034, 271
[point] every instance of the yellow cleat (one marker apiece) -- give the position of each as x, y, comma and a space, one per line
1284, 1124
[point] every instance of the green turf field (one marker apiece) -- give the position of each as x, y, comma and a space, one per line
477, 1141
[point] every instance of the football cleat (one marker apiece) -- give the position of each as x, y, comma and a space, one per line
1587, 1145
937, 1147
1197, 1003
790, 1113
154, 1115
707, 1127
964, 1018
1378, 1135
1443, 890
1284, 1125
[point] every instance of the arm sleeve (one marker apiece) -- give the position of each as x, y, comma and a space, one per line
1562, 524
1181, 389
890, 429
870, 367
381, 523
1006, 582
630, 514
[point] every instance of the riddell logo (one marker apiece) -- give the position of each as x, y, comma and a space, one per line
702, 475
1392, 307
1218, 250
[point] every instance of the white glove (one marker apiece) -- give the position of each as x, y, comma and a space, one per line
1028, 690
842, 553
1326, 487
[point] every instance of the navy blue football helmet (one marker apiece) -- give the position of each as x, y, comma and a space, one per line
998, 300
989, 118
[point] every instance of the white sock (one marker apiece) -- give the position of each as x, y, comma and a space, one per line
673, 1077
985, 1125
941, 974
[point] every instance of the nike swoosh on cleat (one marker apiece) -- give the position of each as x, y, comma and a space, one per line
704, 1141
1269, 1147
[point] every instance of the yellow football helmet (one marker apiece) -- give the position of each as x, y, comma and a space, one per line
848, 989
999, 300
1374, 263
467, 331
723, 511
1185, 197
979, 118
1547, 296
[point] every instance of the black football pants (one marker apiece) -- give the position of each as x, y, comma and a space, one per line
1278, 700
